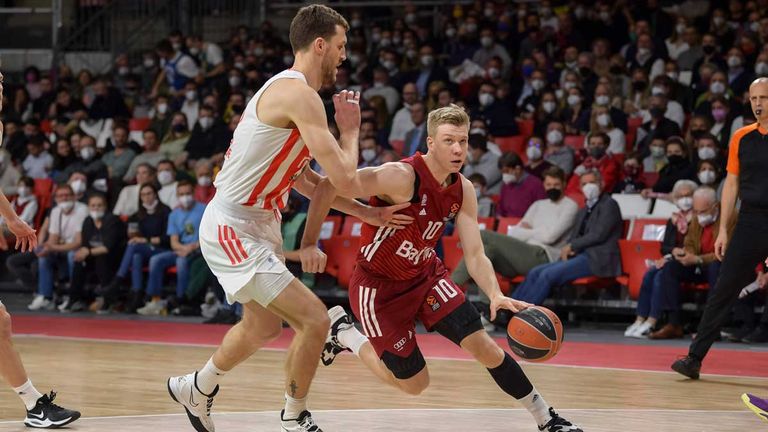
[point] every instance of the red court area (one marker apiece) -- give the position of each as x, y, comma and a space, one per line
621, 356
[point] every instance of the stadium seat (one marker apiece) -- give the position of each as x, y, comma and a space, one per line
511, 144
342, 252
486, 223
650, 179
139, 124
633, 256
525, 127
663, 209
632, 205
45, 126
352, 226
452, 252
647, 229
331, 226
505, 223
575, 142
44, 193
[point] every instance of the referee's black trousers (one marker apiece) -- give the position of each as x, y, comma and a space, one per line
747, 248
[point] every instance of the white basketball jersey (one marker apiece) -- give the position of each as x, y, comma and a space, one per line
262, 161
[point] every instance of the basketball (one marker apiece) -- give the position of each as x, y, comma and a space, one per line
535, 334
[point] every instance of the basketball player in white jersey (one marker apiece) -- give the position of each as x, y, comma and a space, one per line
41, 411
284, 125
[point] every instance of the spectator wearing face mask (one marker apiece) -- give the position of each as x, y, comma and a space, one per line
38, 163
128, 201
166, 176
64, 228
184, 230
547, 111
175, 141
718, 90
674, 111
210, 56
498, 115
151, 155
208, 138
489, 48
429, 71
402, 123
632, 177
534, 151
485, 205
601, 122
531, 96
190, 105
710, 55
107, 103
177, 68
24, 205
657, 158
382, 88
710, 175
592, 248
739, 77
651, 300
204, 189
657, 127
707, 148
88, 163
598, 159
603, 97
161, 116
119, 159
370, 153
482, 161
557, 152
575, 114
694, 262
679, 167
416, 138
722, 116
519, 189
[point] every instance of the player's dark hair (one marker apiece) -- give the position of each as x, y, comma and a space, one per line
312, 22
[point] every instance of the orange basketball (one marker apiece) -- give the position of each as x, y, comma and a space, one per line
535, 334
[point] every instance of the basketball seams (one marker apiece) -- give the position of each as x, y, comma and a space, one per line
530, 318
528, 337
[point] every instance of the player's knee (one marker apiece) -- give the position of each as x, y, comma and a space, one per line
316, 321
416, 385
5, 324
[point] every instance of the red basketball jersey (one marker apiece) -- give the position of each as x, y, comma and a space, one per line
402, 254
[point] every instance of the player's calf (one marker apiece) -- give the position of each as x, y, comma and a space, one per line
5, 325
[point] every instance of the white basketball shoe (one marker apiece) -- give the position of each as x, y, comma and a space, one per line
183, 390
303, 423
340, 321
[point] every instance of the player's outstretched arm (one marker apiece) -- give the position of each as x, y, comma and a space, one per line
26, 240
305, 109
478, 265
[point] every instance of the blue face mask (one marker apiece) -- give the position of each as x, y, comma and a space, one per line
528, 70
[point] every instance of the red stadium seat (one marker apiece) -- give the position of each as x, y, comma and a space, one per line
511, 144
351, 226
505, 223
633, 256
45, 126
331, 226
637, 227
341, 251
139, 124
44, 193
452, 252
486, 223
650, 179
525, 127
575, 142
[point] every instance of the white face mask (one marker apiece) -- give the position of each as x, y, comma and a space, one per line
734, 61
165, 177
707, 153
368, 155
162, 108
684, 203
591, 192
478, 131
707, 177
78, 186
533, 153
234, 81
206, 122
602, 100
87, 153
427, 60
657, 91
186, 201
672, 75
549, 107
204, 181
761, 69
508, 178
706, 219
554, 137
150, 208
603, 119
717, 87
537, 84
485, 99
23, 191
486, 41
191, 95
657, 152
149, 63
194, 51
569, 85
96, 214
494, 73
66, 205
680, 29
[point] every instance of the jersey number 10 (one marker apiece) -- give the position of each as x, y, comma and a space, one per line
431, 230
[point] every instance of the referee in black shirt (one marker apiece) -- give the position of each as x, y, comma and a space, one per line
747, 179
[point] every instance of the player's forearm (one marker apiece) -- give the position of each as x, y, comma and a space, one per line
319, 206
728, 203
481, 270
350, 151
6, 211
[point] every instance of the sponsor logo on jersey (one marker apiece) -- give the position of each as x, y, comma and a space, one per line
433, 303
424, 200
400, 344
413, 254
423, 212
455, 207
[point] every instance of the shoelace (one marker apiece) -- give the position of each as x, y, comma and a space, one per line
208, 405
309, 424
50, 398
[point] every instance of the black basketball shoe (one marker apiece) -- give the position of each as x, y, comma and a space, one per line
340, 321
559, 424
687, 366
48, 415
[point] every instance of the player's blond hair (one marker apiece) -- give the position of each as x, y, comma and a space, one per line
452, 115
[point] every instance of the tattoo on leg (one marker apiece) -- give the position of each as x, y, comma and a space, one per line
294, 387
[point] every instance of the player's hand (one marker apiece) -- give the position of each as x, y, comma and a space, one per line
720, 244
26, 240
347, 106
504, 302
388, 216
313, 260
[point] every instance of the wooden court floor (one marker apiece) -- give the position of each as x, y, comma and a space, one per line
121, 387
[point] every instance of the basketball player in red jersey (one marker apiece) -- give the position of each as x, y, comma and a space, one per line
282, 128
399, 279
41, 411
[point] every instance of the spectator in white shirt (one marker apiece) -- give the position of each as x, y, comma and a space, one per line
128, 200
38, 163
151, 155
490, 49
209, 54
166, 176
382, 88
191, 105
402, 122
177, 68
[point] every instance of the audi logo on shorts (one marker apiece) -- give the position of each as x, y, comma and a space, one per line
400, 344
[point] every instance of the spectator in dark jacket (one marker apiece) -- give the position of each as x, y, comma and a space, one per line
108, 102
208, 137
679, 167
498, 115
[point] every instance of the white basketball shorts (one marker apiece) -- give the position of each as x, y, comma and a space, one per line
244, 249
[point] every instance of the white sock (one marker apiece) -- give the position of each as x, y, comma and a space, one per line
208, 377
537, 406
352, 339
294, 407
29, 394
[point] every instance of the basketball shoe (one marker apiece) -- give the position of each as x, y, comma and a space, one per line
48, 415
183, 390
303, 423
559, 424
757, 405
340, 321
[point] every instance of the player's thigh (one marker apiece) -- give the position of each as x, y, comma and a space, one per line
300, 307
260, 322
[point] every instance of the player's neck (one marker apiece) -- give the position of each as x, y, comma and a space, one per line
442, 176
312, 72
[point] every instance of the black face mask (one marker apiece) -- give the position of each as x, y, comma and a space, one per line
554, 194
675, 160
639, 85
179, 128
597, 152
657, 112
708, 49
585, 71
616, 70
698, 133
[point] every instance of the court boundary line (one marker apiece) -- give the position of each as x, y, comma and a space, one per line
202, 345
378, 410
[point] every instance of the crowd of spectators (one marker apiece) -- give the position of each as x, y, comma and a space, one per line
605, 97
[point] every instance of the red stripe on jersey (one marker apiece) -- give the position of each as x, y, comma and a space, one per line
228, 240
286, 183
239, 245
224, 246
273, 167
